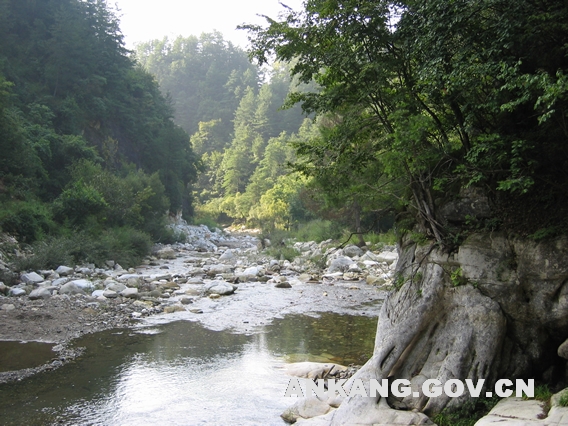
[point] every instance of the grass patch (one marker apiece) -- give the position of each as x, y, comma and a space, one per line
563, 401
467, 414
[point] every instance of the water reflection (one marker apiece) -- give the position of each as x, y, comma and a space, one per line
181, 374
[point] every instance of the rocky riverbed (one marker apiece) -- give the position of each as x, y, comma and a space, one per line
224, 280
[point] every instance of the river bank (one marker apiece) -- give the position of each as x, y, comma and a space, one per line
222, 280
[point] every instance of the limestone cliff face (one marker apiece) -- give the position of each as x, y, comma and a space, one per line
496, 308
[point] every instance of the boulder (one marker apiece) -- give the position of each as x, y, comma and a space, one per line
114, 286
31, 278
222, 288
110, 294
284, 284
130, 293
71, 288
341, 264
352, 251
166, 253
83, 284
59, 282
42, 293
228, 255
16, 292
387, 256
64, 270
563, 350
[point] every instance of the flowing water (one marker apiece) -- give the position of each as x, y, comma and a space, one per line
181, 373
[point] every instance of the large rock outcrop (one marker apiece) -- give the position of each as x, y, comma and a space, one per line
496, 308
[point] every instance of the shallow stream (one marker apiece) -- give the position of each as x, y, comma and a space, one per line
181, 373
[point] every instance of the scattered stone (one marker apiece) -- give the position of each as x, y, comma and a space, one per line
7, 307
173, 308
228, 255
219, 287
196, 311
64, 270
17, 292
71, 288
214, 296
284, 284
83, 284
387, 256
110, 294
341, 264
114, 286
352, 251
166, 253
130, 293
31, 278
41, 293
186, 300
59, 282
3, 288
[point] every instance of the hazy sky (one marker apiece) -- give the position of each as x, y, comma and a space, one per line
144, 20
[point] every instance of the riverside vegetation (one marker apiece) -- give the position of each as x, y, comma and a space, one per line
447, 118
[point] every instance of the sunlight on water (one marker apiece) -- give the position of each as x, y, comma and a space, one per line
181, 374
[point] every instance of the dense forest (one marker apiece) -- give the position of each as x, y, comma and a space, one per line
91, 158
427, 100
350, 112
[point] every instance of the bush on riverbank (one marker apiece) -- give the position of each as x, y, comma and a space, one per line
126, 246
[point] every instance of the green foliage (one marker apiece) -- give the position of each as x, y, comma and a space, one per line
427, 94
457, 278
563, 401
316, 230
127, 246
467, 414
27, 220
542, 393
283, 253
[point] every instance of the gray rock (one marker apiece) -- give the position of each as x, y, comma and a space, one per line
228, 255
341, 264
130, 293
3, 288
71, 288
98, 293
7, 307
110, 263
563, 350
59, 282
166, 253
83, 284
41, 293
219, 269
31, 278
114, 286
387, 256
16, 292
110, 294
284, 284
64, 270
352, 251
222, 288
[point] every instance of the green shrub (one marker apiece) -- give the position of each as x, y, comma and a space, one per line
466, 415
283, 253
125, 245
317, 230
27, 220
78, 202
